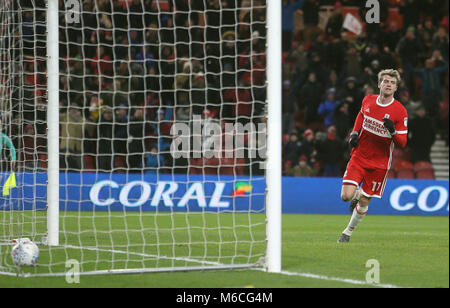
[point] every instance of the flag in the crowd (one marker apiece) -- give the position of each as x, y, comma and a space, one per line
10, 183
352, 24
240, 188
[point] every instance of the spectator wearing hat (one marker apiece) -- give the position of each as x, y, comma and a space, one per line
311, 10
440, 42
352, 65
72, 135
410, 13
341, 120
33, 145
409, 49
198, 93
154, 160
335, 21
310, 97
120, 129
302, 169
106, 137
137, 129
352, 95
326, 109
421, 135
292, 148
431, 86
288, 11
308, 145
330, 153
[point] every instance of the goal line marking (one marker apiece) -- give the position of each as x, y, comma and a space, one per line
345, 280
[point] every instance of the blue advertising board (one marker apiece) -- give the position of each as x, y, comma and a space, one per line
184, 193
401, 197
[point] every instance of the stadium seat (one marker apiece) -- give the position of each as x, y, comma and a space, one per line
240, 166
404, 169
44, 160
424, 170
119, 163
398, 153
403, 164
443, 109
423, 165
391, 174
226, 166
196, 166
401, 154
425, 175
405, 174
89, 162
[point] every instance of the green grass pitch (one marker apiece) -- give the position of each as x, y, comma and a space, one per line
411, 251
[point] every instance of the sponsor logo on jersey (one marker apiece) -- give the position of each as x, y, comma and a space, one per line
375, 127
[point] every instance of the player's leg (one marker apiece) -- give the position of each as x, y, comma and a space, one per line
359, 213
350, 193
350, 185
373, 186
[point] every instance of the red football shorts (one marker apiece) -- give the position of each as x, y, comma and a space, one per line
373, 180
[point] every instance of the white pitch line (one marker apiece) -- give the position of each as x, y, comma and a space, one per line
306, 275
345, 280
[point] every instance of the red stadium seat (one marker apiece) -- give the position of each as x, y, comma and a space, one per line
240, 166
423, 166
120, 164
44, 160
425, 175
443, 109
89, 162
401, 154
405, 174
196, 166
391, 174
404, 169
398, 153
403, 164
226, 166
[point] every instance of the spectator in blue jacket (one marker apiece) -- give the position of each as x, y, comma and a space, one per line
326, 109
154, 160
431, 86
288, 21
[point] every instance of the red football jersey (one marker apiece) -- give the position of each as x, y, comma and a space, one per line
376, 145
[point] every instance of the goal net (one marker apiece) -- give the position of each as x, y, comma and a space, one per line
162, 134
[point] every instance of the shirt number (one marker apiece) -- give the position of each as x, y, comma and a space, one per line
376, 186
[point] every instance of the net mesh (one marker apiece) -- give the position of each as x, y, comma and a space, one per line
162, 133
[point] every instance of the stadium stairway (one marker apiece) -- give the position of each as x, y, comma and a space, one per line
439, 158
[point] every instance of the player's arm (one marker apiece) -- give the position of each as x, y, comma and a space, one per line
398, 131
354, 135
12, 149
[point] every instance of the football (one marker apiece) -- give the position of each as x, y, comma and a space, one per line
25, 252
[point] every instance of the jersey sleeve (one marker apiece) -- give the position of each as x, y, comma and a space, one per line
401, 127
6, 141
359, 118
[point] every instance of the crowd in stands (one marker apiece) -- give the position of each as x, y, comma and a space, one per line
327, 71
132, 68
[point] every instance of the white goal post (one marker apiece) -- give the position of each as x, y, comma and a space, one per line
163, 128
